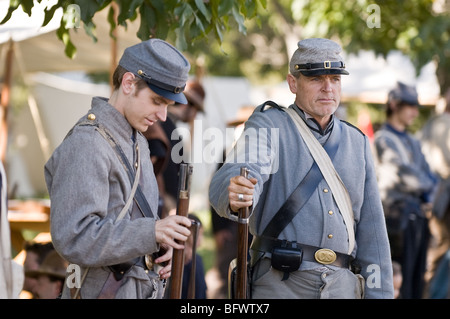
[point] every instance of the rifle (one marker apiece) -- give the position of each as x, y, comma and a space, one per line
241, 271
184, 179
194, 233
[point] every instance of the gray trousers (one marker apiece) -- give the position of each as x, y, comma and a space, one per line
318, 283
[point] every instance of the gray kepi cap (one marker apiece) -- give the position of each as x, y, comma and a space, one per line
404, 93
317, 56
161, 65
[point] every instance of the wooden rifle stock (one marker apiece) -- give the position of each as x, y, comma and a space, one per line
241, 271
176, 281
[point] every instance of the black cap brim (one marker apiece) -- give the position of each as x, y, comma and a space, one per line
177, 97
315, 72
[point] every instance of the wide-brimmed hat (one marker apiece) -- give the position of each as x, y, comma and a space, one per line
317, 56
161, 65
195, 94
242, 115
52, 265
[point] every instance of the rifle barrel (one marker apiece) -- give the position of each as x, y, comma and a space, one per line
241, 274
194, 233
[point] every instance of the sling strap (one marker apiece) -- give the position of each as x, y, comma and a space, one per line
330, 174
302, 193
139, 197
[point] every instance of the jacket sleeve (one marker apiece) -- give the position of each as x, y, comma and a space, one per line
87, 192
373, 251
407, 176
257, 149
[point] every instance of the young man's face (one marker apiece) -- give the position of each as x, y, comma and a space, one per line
406, 114
319, 96
144, 107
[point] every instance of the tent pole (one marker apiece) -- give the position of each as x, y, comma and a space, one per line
113, 47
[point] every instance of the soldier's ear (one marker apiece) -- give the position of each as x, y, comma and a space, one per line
393, 105
292, 82
128, 81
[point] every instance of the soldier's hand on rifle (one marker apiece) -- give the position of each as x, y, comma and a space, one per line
165, 255
240, 192
172, 228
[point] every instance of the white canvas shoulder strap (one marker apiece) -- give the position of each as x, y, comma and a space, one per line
133, 189
340, 193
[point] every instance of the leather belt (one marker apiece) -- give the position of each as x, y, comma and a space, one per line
119, 270
323, 256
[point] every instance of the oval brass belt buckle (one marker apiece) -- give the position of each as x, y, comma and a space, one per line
148, 259
325, 256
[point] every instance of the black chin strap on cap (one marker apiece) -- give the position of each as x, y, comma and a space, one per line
164, 86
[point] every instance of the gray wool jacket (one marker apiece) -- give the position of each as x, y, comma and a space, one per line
279, 159
403, 172
88, 187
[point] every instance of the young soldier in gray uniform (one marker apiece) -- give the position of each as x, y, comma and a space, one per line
316, 233
406, 186
90, 177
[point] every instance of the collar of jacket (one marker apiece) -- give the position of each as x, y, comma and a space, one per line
313, 124
112, 119
393, 130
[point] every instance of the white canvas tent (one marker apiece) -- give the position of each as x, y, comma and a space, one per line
38, 123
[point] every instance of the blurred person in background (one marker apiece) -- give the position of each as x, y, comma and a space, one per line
406, 186
177, 114
35, 254
435, 138
49, 276
200, 284
225, 230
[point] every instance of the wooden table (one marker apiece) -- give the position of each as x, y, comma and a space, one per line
27, 215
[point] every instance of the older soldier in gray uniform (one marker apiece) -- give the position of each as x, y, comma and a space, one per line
313, 227
91, 174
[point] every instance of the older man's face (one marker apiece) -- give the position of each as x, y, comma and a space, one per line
319, 96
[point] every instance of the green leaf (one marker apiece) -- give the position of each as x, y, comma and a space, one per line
219, 34
201, 6
88, 8
90, 28
239, 19
64, 35
225, 7
13, 5
148, 18
112, 22
27, 5
186, 15
127, 9
162, 22
199, 25
49, 13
